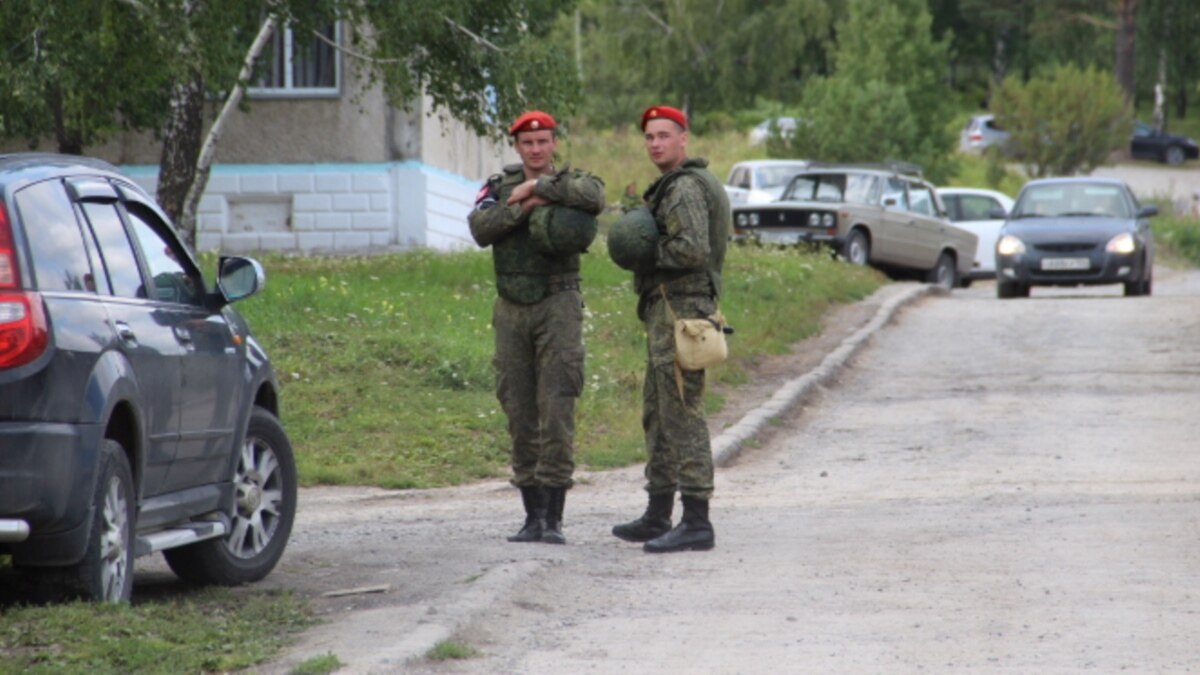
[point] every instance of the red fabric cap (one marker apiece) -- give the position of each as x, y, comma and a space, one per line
655, 112
534, 120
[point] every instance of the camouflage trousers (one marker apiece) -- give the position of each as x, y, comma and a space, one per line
678, 449
539, 375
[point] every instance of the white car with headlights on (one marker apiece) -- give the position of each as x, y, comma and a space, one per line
1073, 232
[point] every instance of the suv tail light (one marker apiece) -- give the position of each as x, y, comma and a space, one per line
23, 329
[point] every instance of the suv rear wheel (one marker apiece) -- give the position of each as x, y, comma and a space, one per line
106, 572
265, 507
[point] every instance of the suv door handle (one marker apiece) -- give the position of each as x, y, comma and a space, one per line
125, 332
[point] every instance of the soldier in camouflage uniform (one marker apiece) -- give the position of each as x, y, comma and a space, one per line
691, 212
538, 316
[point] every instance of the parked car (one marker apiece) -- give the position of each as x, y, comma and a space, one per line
785, 127
1072, 232
873, 215
761, 180
980, 132
1161, 147
137, 411
975, 209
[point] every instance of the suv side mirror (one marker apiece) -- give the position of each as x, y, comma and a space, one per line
239, 278
1147, 211
997, 213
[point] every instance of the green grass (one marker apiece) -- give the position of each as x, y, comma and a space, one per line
318, 665
1178, 237
385, 362
214, 630
450, 650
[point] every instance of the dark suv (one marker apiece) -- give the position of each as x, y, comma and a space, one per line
137, 412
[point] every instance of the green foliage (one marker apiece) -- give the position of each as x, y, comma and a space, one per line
706, 56
1180, 236
210, 631
887, 99
1065, 121
65, 71
478, 61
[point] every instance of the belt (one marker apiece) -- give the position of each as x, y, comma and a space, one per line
560, 283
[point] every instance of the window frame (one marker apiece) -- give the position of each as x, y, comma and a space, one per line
289, 91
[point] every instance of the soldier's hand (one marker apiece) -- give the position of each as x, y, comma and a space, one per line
522, 192
532, 202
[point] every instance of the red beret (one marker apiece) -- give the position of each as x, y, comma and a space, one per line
655, 112
534, 120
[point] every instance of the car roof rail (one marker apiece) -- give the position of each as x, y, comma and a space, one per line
893, 166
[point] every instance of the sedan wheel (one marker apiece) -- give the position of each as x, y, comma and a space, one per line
858, 249
1173, 155
944, 274
265, 507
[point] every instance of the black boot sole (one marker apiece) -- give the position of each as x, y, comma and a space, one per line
698, 546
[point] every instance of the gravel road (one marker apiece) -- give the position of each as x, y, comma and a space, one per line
991, 485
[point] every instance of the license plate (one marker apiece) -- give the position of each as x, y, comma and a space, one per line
1066, 263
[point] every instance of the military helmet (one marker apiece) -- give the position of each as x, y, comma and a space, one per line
633, 240
561, 230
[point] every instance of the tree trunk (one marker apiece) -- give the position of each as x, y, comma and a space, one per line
69, 141
204, 158
181, 145
1181, 102
999, 64
1126, 43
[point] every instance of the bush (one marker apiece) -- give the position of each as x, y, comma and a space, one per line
1064, 122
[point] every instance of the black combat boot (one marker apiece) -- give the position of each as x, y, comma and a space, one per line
553, 534
654, 523
693, 533
534, 498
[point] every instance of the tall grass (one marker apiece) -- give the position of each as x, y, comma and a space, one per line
385, 362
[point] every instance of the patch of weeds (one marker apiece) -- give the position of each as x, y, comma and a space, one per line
318, 665
449, 650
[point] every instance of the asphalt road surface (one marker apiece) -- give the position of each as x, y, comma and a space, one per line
990, 485
993, 485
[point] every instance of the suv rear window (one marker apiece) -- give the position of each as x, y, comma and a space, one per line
122, 264
60, 261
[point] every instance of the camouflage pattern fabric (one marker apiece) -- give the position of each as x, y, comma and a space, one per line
521, 268
692, 213
678, 449
538, 323
539, 374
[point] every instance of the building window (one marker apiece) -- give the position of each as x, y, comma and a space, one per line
298, 64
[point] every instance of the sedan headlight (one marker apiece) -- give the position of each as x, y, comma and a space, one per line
814, 219
1010, 245
741, 219
1122, 243
754, 219
827, 220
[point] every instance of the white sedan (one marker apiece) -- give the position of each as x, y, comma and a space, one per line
760, 181
973, 209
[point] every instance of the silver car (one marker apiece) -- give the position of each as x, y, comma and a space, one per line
981, 132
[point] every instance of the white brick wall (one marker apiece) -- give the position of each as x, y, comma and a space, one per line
332, 208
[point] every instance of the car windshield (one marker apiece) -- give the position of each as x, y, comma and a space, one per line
774, 176
831, 187
1078, 199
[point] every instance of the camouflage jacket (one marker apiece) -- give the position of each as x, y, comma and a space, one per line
691, 210
522, 271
